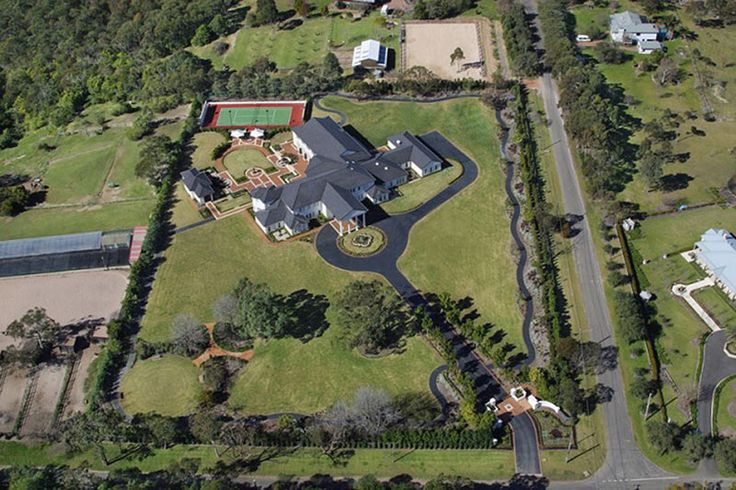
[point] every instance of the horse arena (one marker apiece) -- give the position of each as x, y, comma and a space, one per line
430, 44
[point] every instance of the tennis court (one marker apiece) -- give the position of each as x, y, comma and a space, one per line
254, 116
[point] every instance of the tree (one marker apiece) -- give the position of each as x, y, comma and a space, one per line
371, 315
205, 426
444, 482
610, 53
36, 326
215, 375
331, 68
368, 482
667, 73
142, 125
161, 430
188, 335
642, 388
650, 167
28, 478
630, 317
332, 429
725, 454
571, 396
302, 8
100, 429
696, 446
158, 156
617, 278
373, 411
13, 200
225, 309
457, 56
261, 313
203, 35
664, 436
266, 12
240, 437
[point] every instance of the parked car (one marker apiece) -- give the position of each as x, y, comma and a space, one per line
582, 38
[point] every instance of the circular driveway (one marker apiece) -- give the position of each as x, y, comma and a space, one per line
716, 366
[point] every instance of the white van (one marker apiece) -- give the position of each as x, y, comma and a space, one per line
582, 38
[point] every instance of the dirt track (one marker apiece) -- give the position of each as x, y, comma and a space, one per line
430, 44
11, 396
75, 400
41, 410
67, 296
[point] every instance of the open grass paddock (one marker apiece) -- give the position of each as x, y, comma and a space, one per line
463, 247
328, 371
167, 385
203, 143
725, 412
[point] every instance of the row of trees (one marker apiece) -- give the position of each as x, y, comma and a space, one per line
519, 39
417, 81
58, 56
594, 113
440, 9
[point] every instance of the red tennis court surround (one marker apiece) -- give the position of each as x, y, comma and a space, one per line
250, 116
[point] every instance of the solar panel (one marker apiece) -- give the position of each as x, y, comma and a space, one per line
28, 247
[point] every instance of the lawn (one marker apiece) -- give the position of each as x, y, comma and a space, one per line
203, 144
229, 203
308, 42
60, 221
463, 247
185, 210
328, 371
725, 413
167, 385
717, 305
240, 160
204, 263
418, 191
422, 463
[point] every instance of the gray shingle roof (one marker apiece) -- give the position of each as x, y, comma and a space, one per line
624, 20
718, 250
383, 169
267, 195
409, 147
326, 138
198, 182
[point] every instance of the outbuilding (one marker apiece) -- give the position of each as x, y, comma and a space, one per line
370, 54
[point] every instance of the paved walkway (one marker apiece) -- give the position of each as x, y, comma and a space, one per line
397, 228
685, 292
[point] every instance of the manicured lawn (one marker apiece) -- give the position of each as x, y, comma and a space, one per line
60, 221
184, 212
423, 464
238, 161
463, 247
167, 385
418, 191
725, 412
230, 203
203, 144
328, 371
679, 231
717, 305
205, 263
308, 42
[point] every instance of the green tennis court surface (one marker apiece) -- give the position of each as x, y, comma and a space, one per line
254, 116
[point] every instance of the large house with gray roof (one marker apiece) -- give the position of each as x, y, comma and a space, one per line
628, 27
341, 175
716, 254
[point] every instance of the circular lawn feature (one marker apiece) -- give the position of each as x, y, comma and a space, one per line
362, 243
241, 159
167, 385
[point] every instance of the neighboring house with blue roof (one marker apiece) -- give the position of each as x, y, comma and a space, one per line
716, 254
342, 173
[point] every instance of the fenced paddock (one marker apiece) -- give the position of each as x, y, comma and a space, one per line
430, 44
252, 114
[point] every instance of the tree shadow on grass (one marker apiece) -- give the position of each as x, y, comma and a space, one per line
675, 182
309, 314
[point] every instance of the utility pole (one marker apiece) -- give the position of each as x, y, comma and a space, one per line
646, 412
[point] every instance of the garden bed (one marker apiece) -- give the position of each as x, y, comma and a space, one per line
364, 242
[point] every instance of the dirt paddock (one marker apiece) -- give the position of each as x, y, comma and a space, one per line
45, 396
11, 396
430, 44
67, 296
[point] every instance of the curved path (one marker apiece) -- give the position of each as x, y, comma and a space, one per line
716, 367
523, 255
397, 228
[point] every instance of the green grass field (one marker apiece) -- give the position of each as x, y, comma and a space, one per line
167, 385
238, 161
203, 143
205, 263
437, 258
308, 42
418, 191
256, 116
725, 412
717, 305
184, 212
422, 463
328, 372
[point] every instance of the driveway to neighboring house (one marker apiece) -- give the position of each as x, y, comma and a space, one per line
397, 228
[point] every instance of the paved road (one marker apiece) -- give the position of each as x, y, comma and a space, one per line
397, 228
716, 366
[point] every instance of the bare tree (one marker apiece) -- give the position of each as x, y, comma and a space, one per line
373, 411
225, 309
188, 335
331, 430
240, 437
